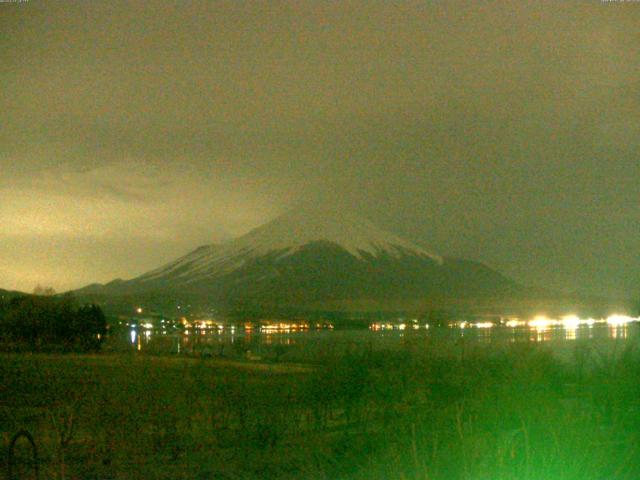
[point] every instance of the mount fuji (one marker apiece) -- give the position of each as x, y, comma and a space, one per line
313, 258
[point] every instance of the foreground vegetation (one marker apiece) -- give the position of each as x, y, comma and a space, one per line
516, 413
44, 323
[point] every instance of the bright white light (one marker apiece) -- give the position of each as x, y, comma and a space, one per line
619, 319
515, 323
139, 309
484, 325
542, 322
133, 336
148, 326
571, 321
463, 325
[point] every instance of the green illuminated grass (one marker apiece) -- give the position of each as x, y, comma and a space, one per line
516, 413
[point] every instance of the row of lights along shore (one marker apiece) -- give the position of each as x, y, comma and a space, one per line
538, 322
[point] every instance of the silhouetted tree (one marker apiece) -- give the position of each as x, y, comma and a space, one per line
44, 291
46, 322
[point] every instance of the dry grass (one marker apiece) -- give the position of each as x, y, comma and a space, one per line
515, 413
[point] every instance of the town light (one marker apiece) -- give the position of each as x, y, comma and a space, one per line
542, 322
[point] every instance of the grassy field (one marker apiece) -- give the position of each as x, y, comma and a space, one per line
513, 413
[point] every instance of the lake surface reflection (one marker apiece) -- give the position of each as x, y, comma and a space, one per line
303, 345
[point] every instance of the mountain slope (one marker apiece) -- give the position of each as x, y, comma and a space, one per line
312, 256
286, 235
9, 294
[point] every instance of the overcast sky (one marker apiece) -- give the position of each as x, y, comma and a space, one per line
506, 132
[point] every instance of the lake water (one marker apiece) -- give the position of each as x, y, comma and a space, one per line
308, 344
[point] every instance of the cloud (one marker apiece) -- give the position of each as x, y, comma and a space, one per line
69, 227
468, 126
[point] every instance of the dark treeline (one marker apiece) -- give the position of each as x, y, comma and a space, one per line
48, 323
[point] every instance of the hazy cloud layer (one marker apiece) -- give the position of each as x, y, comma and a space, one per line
501, 131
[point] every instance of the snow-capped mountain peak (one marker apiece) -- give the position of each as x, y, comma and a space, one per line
297, 228
285, 235
313, 258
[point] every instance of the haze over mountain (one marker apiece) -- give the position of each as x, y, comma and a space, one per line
505, 133
312, 257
